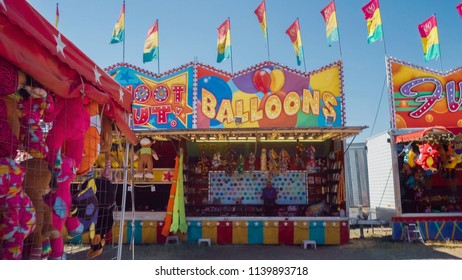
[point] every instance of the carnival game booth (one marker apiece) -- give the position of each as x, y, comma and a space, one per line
426, 150
53, 98
238, 131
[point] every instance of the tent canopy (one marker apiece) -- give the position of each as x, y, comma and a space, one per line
31, 43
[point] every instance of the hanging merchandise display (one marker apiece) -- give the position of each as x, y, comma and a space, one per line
424, 139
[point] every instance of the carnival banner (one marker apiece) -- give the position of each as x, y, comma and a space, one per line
264, 96
423, 98
270, 95
164, 102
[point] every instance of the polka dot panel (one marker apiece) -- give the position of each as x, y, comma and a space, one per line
247, 187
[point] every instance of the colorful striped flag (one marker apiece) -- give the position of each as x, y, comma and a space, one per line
224, 41
430, 42
260, 12
374, 22
459, 9
118, 35
294, 34
151, 45
57, 16
330, 17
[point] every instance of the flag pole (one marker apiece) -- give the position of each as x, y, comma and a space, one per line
57, 15
267, 32
303, 50
383, 36
338, 32
158, 49
123, 43
230, 46
440, 58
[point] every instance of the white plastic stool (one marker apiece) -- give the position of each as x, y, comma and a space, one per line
310, 242
172, 239
204, 240
412, 232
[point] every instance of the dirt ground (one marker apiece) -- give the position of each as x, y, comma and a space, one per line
376, 245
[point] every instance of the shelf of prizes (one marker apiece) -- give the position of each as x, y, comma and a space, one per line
227, 137
426, 143
223, 194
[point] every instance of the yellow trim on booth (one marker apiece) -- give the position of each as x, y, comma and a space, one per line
149, 232
301, 232
209, 230
240, 232
271, 232
332, 233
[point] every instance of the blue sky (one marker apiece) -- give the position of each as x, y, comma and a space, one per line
188, 29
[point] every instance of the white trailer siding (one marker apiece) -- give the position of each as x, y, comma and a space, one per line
380, 173
356, 175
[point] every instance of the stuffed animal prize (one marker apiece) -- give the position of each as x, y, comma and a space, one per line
146, 155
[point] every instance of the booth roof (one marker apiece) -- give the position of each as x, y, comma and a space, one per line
35, 46
420, 134
308, 134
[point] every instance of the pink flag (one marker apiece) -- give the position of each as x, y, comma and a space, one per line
459, 9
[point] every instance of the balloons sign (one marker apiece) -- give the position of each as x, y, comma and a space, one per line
262, 80
277, 80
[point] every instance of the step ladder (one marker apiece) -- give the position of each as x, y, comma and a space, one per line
412, 232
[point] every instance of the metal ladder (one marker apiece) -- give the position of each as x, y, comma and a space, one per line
412, 232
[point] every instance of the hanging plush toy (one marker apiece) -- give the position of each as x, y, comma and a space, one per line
311, 155
105, 146
203, 163
117, 155
240, 164
409, 155
284, 159
91, 146
36, 185
60, 202
70, 123
216, 161
84, 212
263, 161
17, 213
106, 194
427, 158
231, 163
273, 163
251, 162
299, 152
34, 105
146, 155
453, 157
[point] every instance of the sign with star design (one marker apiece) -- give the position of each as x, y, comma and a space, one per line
422, 98
159, 102
198, 96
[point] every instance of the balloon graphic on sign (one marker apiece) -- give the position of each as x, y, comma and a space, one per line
277, 80
262, 80
219, 89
